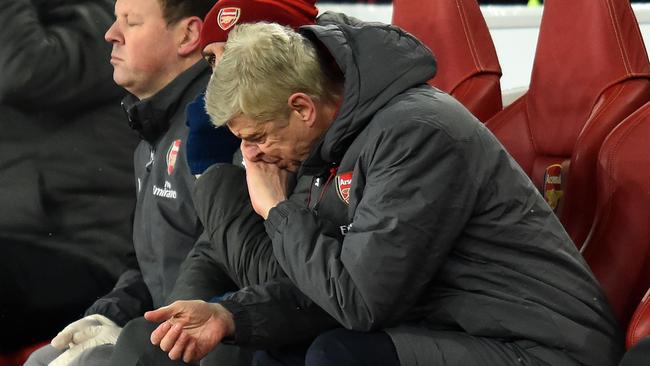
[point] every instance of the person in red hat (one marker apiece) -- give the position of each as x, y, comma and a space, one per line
227, 13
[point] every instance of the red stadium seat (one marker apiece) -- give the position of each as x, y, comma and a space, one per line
618, 246
19, 357
456, 32
639, 326
590, 71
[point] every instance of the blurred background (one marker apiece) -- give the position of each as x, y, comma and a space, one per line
513, 24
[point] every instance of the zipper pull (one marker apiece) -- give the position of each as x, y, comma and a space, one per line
333, 171
150, 163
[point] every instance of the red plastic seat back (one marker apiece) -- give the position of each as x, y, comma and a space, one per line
639, 326
468, 67
590, 71
618, 247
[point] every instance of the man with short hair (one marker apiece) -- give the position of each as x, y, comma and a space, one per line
156, 57
418, 233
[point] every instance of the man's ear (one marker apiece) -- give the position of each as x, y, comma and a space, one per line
189, 33
304, 107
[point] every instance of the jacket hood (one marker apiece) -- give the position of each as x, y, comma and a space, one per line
378, 62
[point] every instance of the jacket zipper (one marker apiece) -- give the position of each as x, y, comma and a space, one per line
331, 176
149, 164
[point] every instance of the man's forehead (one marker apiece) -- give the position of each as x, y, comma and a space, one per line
136, 7
242, 123
245, 127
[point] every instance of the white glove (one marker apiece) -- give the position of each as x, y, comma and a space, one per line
91, 331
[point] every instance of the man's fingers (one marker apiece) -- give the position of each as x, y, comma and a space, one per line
159, 333
170, 338
188, 355
160, 315
177, 351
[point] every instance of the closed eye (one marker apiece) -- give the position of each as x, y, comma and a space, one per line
255, 139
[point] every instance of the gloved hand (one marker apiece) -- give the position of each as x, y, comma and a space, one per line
207, 145
91, 331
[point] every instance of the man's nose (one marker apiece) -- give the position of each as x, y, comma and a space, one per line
251, 151
112, 35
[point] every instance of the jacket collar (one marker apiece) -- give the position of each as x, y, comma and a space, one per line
151, 116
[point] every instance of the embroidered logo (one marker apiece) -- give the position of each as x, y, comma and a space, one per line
345, 229
228, 17
172, 155
553, 185
343, 184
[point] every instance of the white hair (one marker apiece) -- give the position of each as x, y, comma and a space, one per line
262, 65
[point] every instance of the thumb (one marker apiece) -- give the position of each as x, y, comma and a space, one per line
161, 314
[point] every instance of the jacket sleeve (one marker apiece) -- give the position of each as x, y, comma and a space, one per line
275, 314
414, 195
129, 299
269, 310
200, 276
54, 54
239, 242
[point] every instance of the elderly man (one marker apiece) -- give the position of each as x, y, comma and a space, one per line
410, 224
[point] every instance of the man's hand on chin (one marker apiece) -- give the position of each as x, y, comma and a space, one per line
267, 185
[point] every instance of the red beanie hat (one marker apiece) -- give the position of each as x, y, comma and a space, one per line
225, 14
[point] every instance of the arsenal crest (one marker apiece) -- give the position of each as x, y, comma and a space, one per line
228, 17
172, 154
343, 184
553, 185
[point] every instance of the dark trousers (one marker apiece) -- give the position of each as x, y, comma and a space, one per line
639, 355
134, 348
42, 290
339, 347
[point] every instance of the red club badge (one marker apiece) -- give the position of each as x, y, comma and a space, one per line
553, 185
343, 185
228, 17
172, 155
